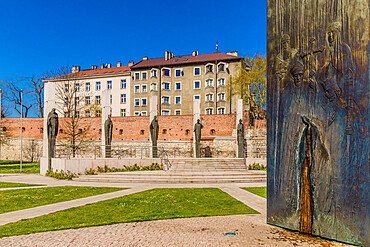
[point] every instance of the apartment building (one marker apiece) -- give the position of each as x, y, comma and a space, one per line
178, 80
83, 90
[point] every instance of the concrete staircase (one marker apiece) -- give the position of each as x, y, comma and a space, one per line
187, 171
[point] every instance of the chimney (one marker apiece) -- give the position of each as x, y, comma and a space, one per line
119, 64
130, 63
166, 55
109, 65
195, 53
232, 53
75, 69
102, 66
145, 58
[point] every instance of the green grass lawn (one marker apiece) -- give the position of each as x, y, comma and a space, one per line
12, 200
259, 191
10, 185
148, 205
12, 166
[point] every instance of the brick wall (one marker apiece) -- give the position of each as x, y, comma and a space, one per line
171, 128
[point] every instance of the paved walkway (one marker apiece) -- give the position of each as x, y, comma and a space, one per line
251, 230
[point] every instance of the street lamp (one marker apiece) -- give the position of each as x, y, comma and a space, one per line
21, 98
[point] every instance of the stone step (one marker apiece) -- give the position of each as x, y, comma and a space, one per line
171, 180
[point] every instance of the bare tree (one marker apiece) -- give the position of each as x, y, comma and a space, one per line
73, 101
32, 150
13, 95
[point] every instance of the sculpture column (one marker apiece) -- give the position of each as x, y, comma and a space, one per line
104, 115
49, 104
240, 128
196, 116
153, 125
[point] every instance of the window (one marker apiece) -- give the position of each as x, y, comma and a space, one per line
137, 89
196, 96
87, 113
137, 102
77, 87
77, 100
110, 99
98, 86
165, 86
97, 113
166, 72
209, 83
87, 100
209, 111
154, 73
143, 102
66, 101
209, 68
165, 112
143, 88
197, 85
221, 110
109, 84
65, 115
177, 112
178, 86
144, 75
123, 84
221, 67
221, 97
123, 112
197, 71
221, 82
77, 114
137, 76
165, 100
97, 100
123, 98
137, 113
144, 113
177, 100
66, 88
153, 87
87, 86
209, 97
178, 72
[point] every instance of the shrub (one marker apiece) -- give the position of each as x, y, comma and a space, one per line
61, 175
90, 172
257, 166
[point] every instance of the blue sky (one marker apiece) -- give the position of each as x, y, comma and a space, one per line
37, 36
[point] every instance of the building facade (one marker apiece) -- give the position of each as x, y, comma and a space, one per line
80, 92
178, 80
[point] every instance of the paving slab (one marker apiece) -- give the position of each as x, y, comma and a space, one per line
190, 232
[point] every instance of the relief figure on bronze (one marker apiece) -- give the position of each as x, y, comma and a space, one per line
284, 58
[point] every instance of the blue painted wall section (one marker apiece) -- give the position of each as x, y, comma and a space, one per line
319, 117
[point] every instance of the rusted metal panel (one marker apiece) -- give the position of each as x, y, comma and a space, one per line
319, 117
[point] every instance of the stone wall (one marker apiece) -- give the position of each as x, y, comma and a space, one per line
175, 136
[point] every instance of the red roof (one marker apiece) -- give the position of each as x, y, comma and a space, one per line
187, 59
96, 72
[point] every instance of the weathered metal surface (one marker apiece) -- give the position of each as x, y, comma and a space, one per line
319, 117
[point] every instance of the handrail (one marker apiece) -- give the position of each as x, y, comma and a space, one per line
164, 157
